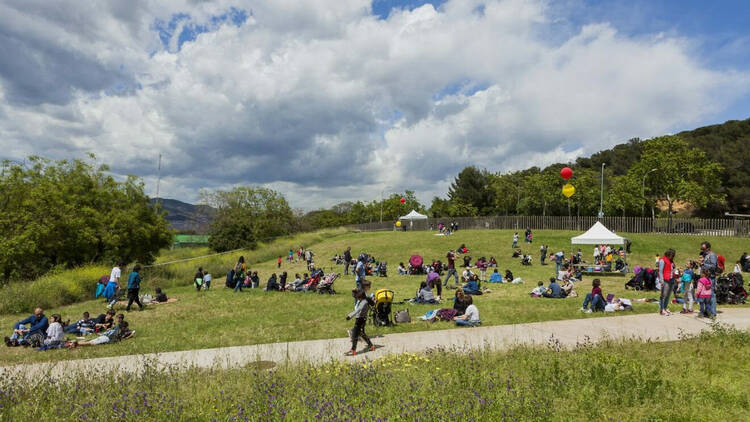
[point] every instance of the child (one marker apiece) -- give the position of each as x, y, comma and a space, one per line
424, 295
704, 293
278, 262
515, 240
595, 298
686, 287
539, 290
55, 334
207, 280
198, 279
360, 319
471, 317
83, 327
508, 276
161, 296
401, 269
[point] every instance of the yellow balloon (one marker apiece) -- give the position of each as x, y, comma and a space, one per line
568, 190
398, 224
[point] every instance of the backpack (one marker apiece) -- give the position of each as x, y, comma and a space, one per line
720, 262
230, 279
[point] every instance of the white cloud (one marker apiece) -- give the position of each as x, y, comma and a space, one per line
327, 103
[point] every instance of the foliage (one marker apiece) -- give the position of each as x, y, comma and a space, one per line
67, 213
246, 215
682, 173
387, 209
471, 187
626, 380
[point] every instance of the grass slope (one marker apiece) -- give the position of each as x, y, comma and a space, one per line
698, 379
222, 318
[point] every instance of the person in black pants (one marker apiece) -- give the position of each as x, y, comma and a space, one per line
134, 287
347, 259
360, 319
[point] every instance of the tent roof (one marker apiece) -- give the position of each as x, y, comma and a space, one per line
598, 235
413, 215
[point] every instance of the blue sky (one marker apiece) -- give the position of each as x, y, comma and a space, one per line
326, 104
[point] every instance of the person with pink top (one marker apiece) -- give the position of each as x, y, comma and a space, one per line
704, 293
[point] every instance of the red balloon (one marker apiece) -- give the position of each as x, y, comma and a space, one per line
566, 173
403, 200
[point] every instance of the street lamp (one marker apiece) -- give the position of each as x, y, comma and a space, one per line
601, 195
643, 192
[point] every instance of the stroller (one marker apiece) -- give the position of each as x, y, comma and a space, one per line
730, 289
382, 269
415, 265
636, 282
326, 284
381, 312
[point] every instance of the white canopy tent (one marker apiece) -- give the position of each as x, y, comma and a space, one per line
598, 235
413, 215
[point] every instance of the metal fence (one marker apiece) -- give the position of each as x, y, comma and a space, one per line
687, 226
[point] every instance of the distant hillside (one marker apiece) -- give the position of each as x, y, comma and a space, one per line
185, 217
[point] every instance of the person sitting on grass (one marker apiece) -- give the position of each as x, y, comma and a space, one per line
254, 280
104, 321
517, 253
401, 269
568, 288
493, 262
82, 327
282, 280
553, 290
161, 297
121, 331
36, 325
425, 295
471, 317
538, 290
495, 277
55, 334
459, 302
467, 261
508, 276
595, 298
272, 284
472, 286
467, 276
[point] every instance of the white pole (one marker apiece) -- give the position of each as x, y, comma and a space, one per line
601, 195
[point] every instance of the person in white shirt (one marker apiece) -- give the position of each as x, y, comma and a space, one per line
470, 318
207, 280
55, 334
116, 273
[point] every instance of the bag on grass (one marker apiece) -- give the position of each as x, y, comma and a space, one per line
402, 317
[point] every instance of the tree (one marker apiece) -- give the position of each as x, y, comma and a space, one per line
624, 195
68, 213
247, 215
682, 173
471, 187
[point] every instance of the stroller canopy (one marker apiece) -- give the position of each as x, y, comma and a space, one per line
416, 260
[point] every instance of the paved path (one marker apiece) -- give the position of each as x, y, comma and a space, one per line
646, 327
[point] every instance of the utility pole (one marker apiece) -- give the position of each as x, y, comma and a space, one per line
601, 195
158, 178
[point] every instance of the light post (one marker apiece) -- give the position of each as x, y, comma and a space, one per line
601, 195
643, 192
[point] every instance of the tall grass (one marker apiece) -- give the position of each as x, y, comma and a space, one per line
699, 379
59, 288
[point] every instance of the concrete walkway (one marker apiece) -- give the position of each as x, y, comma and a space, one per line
565, 334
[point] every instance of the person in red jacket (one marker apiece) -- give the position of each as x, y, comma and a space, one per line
595, 298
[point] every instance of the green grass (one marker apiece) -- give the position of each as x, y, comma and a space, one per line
222, 318
697, 379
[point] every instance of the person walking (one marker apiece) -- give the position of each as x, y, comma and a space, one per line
347, 259
198, 279
134, 287
543, 254
451, 258
711, 264
360, 319
665, 274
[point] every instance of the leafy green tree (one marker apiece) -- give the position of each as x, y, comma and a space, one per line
506, 191
624, 196
471, 187
683, 173
68, 213
247, 215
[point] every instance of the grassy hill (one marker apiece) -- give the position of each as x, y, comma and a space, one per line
222, 318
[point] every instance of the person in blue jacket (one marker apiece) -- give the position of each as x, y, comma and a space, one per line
22, 330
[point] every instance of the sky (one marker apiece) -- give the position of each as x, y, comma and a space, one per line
329, 101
